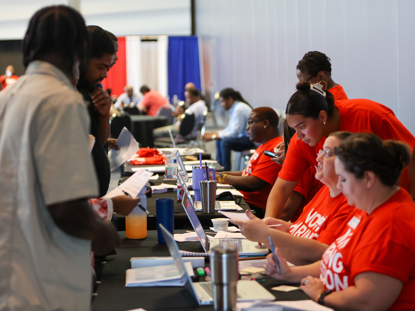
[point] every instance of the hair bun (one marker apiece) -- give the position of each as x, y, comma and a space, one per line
303, 85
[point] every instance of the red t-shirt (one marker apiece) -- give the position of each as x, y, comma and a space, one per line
262, 167
308, 186
153, 101
357, 115
6, 81
382, 242
338, 92
322, 217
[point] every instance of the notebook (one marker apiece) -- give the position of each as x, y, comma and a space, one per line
203, 291
245, 247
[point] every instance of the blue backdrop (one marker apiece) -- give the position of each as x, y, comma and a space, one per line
182, 64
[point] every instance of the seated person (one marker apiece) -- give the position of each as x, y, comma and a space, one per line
194, 104
255, 182
8, 78
233, 137
151, 102
305, 241
371, 265
127, 99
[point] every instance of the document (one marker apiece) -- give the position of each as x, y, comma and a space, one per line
128, 147
91, 142
309, 305
237, 216
221, 190
229, 235
167, 275
132, 185
163, 188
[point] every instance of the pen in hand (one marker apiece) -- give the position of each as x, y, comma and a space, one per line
277, 263
139, 205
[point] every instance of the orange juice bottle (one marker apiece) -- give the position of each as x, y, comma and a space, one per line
136, 222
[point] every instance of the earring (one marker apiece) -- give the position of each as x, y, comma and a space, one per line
324, 123
265, 126
324, 87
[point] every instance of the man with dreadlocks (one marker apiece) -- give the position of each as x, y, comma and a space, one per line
47, 174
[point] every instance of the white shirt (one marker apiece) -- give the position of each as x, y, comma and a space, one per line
198, 108
127, 101
44, 159
238, 118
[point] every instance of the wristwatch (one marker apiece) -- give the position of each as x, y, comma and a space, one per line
213, 137
221, 178
323, 294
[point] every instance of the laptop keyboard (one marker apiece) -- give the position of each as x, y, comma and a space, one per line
208, 287
236, 241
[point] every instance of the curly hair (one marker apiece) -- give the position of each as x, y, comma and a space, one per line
367, 152
313, 62
309, 103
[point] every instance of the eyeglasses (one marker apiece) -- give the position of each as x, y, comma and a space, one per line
310, 78
250, 122
327, 153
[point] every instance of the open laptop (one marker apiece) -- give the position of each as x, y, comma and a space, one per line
245, 247
203, 291
219, 205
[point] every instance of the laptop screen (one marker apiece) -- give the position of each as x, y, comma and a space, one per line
187, 203
182, 167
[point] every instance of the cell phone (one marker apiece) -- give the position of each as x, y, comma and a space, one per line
277, 263
270, 154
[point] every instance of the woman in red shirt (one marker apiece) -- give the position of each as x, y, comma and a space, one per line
314, 114
255, 182
372, 264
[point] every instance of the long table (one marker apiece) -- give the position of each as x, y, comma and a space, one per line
112, 295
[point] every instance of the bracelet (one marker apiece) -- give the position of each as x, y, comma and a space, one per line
323, 294
213, 137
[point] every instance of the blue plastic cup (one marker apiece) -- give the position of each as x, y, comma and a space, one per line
165, 216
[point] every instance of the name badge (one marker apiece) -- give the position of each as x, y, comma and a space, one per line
354, 222
321, 221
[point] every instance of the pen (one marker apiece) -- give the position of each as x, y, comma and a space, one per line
139, 205
277, 264
207, 270
249, 258
272, 226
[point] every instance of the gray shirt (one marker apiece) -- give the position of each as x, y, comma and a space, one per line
44, 159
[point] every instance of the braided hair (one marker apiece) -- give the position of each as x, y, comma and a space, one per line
314, 62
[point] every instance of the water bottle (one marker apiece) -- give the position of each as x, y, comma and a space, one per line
224, 268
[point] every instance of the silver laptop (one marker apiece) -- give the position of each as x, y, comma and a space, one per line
203, 291
245, 247
219, 205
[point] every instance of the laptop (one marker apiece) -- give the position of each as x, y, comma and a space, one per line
245, 247
203, 291
219, 205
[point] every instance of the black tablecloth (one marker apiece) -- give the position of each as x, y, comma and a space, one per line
111, 293
143, 127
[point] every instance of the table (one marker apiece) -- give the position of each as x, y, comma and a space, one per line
143, 127
111, 293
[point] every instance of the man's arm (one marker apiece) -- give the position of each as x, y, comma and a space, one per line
76, 218
245, 183
278, 197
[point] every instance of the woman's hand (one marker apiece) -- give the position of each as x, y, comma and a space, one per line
285, 269
254, 229
271, 221
279, 150
124, 205
313, 287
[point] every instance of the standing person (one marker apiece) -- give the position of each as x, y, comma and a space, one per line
152, 101
101, 54
234, 136
116, 46
314, 114
47, 174
127, 99
256, 181
371, 266
8, 78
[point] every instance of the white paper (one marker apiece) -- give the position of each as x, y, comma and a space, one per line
167, 275
128, 147
224, 207
229, 235
237, 216
285, 288
132, 185
163, 188
219, 191
252, 263
284, 305
230, 229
